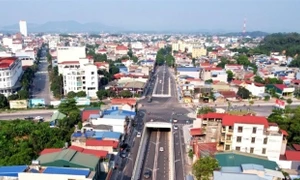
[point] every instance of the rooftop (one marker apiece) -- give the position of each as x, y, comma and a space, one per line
230, 120
95, 142
235, 158
6, 62
12, 171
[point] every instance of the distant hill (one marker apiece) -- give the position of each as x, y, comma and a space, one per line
253, 34
63, 27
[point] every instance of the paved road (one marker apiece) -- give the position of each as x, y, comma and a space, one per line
41, 85
22, 114
162, 80
150, 154
163, 157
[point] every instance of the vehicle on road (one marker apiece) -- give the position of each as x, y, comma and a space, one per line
161, 149
29, 118
123, 154
39, 118
149, 99
159, 81
138, 134
175, 120
147, 174
175, 127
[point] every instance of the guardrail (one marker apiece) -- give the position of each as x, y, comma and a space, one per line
140, 156
161, 95
171, 157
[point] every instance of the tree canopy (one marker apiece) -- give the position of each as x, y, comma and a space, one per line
203, 168
286, 43
243, 93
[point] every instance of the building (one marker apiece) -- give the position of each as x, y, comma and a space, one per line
10, 73
80, 75
251, 134
121, 50
23, 28
199, 51
192, 72
65, 54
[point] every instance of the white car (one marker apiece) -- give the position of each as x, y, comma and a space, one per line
139, 134
161, 149
39, 118
175, 127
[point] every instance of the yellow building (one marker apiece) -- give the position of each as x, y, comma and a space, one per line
198, 52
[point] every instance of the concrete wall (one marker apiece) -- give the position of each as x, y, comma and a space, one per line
18, 104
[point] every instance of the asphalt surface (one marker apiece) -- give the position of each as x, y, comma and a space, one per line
162, 79
41, 85
22, 114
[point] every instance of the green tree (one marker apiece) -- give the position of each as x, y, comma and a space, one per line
203, 168
13, 97
114, 70
125, 94
273, 81
205, 110
229, 75
71, 94
68, 106
243, 60
243, 93
170, 60
104, 81
135, 59
3, 101
23, 94
209, 81
101, 94
223, 62
130, 53
81, 94
289, 101
259, 79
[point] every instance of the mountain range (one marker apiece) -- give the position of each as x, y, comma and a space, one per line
62, 27
95, 27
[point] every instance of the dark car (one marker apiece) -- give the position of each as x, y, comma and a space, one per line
28, 118
147, 174
123, 154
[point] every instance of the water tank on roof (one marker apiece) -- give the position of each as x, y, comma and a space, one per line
66, 145
35, 162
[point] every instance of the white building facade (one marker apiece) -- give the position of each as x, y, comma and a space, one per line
23, 28
79, 76
10, 72
70, 53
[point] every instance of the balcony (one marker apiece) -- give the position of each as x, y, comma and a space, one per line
229, 131
79, 83
228, 141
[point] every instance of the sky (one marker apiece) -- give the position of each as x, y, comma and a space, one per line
160, 15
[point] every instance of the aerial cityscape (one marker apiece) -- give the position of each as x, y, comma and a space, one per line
87, 96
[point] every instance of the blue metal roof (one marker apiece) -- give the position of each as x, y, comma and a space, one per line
107, 134
12, 170
188, 69
70, 171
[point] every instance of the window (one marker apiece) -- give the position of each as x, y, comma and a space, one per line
239, 139
238, 148
253, 140
263, 151
92, 73
240, 129
227, 147
265, 140
254, 130
251, 150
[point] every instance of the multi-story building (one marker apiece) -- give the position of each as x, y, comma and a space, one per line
70, 53
10, 72
78, 76
23, 28
251, 134
213, 73
198, 51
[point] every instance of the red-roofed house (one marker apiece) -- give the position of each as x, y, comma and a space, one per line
102, 66
93, 144
204, 149
122, 101
101, 51
10, 70
233, 67
97, 153
281, 89
50, 150
121, 50
85, 114
291, 160
253, 134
